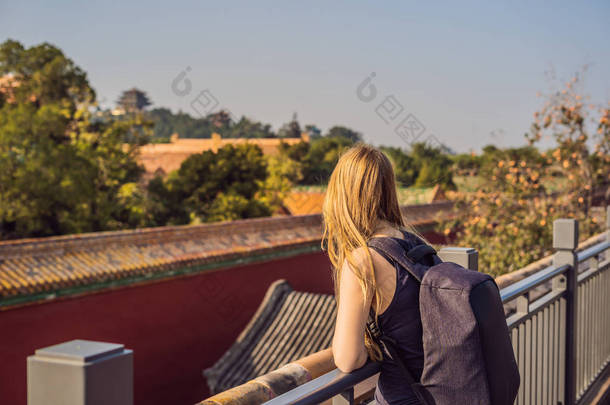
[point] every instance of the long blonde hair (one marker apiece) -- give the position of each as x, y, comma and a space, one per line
361, 192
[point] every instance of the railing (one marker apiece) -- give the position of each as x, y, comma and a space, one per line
559, 323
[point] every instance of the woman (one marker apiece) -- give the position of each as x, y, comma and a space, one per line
360, 204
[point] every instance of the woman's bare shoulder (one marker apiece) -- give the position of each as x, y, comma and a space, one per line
380, 264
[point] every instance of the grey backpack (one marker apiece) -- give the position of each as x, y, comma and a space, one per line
468, 356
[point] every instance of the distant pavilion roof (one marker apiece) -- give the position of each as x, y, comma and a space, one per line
44, 268
287, 326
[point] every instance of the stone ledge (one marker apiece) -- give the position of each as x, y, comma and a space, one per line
277, 382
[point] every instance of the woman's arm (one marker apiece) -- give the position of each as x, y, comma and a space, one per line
348, 347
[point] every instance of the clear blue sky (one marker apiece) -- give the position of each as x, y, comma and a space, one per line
464, 69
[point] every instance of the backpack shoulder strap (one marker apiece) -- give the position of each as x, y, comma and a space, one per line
419, 252
394, 251
390, 247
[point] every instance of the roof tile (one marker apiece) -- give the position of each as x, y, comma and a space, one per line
32, 266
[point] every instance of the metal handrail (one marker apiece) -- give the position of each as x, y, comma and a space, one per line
326, 386
529, 283
337, 382
593, 251
584, 276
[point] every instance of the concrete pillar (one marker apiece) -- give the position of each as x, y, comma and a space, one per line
465, 257
81, 372
565, 241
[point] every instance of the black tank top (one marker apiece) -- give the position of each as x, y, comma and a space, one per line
402, 322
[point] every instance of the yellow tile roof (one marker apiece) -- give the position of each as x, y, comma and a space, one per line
41, 267
32, 266
167, 157
310, 202
304, 203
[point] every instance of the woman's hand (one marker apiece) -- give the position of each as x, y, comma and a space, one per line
348, 347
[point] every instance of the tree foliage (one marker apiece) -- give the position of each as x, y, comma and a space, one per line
344, 132
422, 166
167, 123
60, 172
405, 169
66, 168
291, 129
282, 174
247, 128
317, 158
211, 186
471, 164
509, 218
434, 166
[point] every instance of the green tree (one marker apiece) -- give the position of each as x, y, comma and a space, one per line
43, 75
283, 174
208, 183
317, 158
167, 123
60, 171
434, 166
232, 206
163, 205
221, 120
405, 168
339, 131
321, 158
246, 128
466, 164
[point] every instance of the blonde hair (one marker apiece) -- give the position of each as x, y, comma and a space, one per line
361, 192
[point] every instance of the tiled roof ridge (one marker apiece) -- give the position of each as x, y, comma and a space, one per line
288, 325
101, 240
275, 295
142, 236
33, 269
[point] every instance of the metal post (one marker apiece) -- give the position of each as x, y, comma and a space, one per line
345, 398
608, 222
523, 303
465, 257
565, 241
81, 372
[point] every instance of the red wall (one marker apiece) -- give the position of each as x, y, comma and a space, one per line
176, 328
